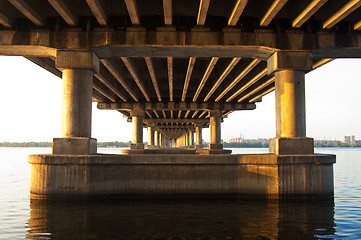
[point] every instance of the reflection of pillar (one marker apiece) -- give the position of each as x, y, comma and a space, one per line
137, 131
199, 143
78, 68
150, 135
215, 127
289, 69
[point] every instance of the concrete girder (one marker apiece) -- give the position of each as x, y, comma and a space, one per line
177, 106
168, 12
272, 12
170, 77
205, 77
29, 12
98, 11
343, 12
64, 12
237, 12
133, 11
202, 12
191, 63
149, 62
5, 20
311, 8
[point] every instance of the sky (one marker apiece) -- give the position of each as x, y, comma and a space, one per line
30, 106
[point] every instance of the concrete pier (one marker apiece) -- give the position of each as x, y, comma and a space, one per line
259, 175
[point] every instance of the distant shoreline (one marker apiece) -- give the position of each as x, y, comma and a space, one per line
126, 144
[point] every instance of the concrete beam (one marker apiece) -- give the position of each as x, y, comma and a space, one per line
133, 11
47, 64
343, 12
107, 83
135, 76
259, 76
176, 121
237, 12
225, 73
24, 7
104, 91
177, 106
98, 11
310, 9
168, 12
111, 68
245, 71
149, 62
272, 12
77, 60
259, 88
202, 11
5, 20
205, 77
64, 12
191, 63
262, 94
170, 77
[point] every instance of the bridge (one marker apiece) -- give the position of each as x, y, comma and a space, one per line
177, 67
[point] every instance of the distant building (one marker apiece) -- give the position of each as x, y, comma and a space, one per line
350, 140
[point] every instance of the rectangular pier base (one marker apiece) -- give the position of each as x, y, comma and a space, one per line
259, 175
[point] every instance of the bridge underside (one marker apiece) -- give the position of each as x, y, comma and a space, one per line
176, 67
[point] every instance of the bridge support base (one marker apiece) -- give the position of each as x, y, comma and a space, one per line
253, 175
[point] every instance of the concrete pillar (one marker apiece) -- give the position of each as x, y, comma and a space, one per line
150, 136
137, 129
289, 70
186, 136
199, 143
78, 68
215, 130
191, 138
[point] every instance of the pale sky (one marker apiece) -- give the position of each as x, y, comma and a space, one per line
31, 105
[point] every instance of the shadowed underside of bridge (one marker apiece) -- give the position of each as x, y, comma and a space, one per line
179, 60
176, 67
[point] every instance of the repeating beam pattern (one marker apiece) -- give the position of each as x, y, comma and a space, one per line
248, 84
110, 86
239, 78
98, 11
262, 94
256, 90
222, 77
205, 77
342, 13
119, 78
64, 12
135, 76
311, 8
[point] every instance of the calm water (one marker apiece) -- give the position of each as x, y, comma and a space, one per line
181, 218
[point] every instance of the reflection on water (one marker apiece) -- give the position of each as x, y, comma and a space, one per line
180, 219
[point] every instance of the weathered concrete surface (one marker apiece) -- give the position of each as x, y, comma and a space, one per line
261, 175
75, 146
289, 146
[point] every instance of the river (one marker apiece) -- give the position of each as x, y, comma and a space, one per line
218, 218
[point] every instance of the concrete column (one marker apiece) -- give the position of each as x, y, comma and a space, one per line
215, 128
290, 103
199, 143
150, 136
191, 138
156, 134
137, 129
289, 69
78, 68
186, 136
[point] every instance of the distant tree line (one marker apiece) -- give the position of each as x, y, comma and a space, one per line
113, 144
245, 145
26, 144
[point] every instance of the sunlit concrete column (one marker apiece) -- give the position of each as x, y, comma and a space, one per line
77, 68
157, 138
186, 136
215, 130
289, 69
150, 136
199, 143
191, 138
137, 129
